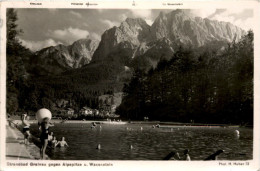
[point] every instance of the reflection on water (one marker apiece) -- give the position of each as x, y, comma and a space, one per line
149, 143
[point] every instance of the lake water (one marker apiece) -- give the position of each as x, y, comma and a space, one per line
149, 143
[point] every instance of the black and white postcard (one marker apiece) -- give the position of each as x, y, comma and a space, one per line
112, 85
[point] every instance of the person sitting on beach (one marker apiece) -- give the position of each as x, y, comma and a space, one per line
62, 143
26, 129
44, 127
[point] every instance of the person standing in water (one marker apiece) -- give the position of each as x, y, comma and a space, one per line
62, 143
26, 129
54, 142
50, 137
44, 127
186, 155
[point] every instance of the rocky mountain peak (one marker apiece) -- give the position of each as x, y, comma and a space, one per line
175, 15
84, 49
136, 22
59, 58
183, 27
129, 34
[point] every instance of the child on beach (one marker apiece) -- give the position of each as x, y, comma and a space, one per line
26, 129
44, 127
62, 143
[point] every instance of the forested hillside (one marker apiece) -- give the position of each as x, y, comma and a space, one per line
206, 87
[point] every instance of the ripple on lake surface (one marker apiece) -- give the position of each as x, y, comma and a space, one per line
149, 143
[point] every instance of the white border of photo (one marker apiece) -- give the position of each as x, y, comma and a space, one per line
133, 165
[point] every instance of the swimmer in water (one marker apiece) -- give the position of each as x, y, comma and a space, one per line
54, 142
98, 147
62, 143
237, 132
50, 137
186, 155
131, 147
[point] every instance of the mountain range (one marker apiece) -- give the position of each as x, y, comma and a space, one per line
134, 45
169, 31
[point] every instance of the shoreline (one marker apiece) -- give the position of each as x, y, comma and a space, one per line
75, 121
15, 144
162, 124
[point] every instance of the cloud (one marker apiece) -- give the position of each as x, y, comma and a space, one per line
68, 35
242, 18
217, 12
110, 23
245, 24
149, 22
203, 13
85, 24
76, 14
52, 10
95, 36
38, 45
122, 17
144, 14
100, 10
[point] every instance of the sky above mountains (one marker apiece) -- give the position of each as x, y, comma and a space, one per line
49, 27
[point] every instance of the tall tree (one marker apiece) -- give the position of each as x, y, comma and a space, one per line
15, 55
